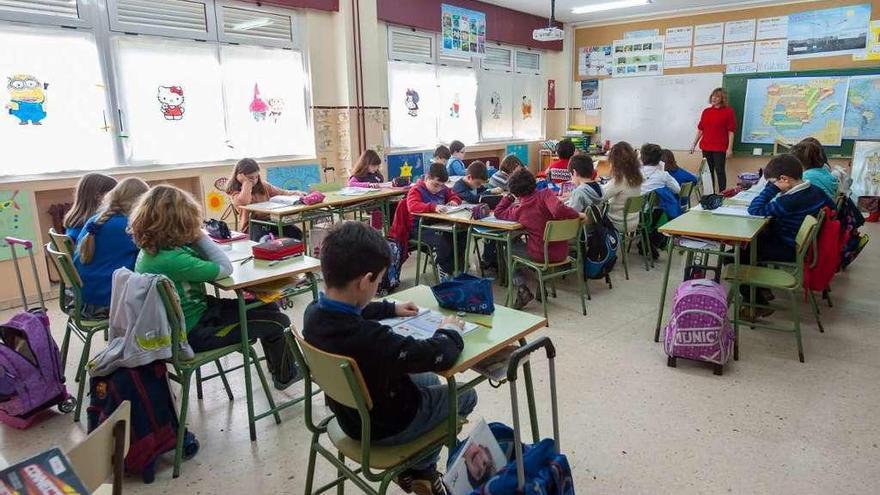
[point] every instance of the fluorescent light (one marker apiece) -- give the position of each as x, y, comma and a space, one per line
252, 24
618, 4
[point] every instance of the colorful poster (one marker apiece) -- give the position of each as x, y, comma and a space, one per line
16, 219
496, 106
216, 200
679, 37
520, 150
590, 95
413, 103
458, 105
772, 27
677, 58
463, 32
738, 31
527, 114
406, 165
638, 57
862, 118
865, 169
827, 32
709, 34
595, 61
872, 51
296, 177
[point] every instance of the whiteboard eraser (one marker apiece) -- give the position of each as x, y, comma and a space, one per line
757, 151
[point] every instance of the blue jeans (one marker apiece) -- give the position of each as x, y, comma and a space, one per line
433, 410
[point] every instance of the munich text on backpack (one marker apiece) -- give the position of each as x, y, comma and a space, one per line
698, 328
601, 239
31, 377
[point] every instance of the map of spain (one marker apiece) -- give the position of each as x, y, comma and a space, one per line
790, 109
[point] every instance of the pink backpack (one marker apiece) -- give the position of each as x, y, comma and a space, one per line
698, 328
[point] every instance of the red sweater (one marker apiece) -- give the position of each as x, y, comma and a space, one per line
418, 200
715, 124
533, 212
559, 164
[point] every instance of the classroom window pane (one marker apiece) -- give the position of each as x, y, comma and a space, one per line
413, 104
54, 103
458, 105
496, 106
265, 95
171, 96
527, 107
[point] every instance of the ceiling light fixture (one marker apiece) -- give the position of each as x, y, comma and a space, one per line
618, 4
252, 24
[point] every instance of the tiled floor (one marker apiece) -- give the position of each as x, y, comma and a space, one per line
629, 423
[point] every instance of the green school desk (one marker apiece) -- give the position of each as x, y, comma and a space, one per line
252, 273
705, 225
496, 331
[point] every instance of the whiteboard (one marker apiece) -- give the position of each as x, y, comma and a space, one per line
663, 110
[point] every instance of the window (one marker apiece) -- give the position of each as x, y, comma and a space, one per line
458, 111
496, 105
413, 104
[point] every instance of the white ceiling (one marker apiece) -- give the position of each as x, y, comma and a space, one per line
657, 8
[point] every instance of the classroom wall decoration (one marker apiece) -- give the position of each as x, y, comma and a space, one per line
52, 110
862, 117
638, 57
413, 104
406, 165
521, 151
866, 169
16, 219
458, 97
590, 94
496, 107
171, 102
595, 60
834, 31
872, 50
462, 32
527, 122
295, 177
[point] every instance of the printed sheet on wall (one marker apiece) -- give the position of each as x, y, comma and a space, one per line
458, 105
265, 101
54, 110
413, 104
496, 93
527, 106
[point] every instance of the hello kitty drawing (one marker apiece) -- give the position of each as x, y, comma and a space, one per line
171, 102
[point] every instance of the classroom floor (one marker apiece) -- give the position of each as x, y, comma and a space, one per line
629, 423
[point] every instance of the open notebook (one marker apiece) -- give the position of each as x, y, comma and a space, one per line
421, 326
276, 202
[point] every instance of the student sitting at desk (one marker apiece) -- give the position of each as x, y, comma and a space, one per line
787, 199
625, 183
652, 170
429, 195
167, 227
247, 187
441, 155
510, 164
587, 191
533, 209
90, 191
670, 165
816, 171
557, 171
470, 187
366, 171
455, 166
408, 399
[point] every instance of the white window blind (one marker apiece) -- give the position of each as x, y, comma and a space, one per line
498, 58
458, 105
528, 107
413, 104
496, 105
193, 19
529, 62
413, 46
55, 8
246, 25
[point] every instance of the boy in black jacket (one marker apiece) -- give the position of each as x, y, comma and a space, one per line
408, 400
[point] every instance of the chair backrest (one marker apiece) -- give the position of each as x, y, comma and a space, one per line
102, 454
325, 187
64, 264
62, 242
634, 204
805, 237
686, 190
338, 376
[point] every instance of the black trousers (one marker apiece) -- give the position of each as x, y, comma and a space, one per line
770, 248
717, 160
441, 242
256, 231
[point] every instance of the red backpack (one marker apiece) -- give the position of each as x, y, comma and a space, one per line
829, 245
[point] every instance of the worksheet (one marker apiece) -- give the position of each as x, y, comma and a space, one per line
422, 326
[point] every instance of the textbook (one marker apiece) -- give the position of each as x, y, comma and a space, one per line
356, 191
47, 473
421, 326
478, 460
276, 202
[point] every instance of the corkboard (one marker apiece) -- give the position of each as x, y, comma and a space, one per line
605, 35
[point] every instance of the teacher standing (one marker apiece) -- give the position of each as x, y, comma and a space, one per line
715, 136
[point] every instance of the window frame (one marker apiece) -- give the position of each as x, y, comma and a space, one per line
125, 28
296, 36
85, 18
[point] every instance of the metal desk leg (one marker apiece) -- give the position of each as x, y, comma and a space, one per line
669, 249
455, 266
736, 299
452, 418
467, 247
530, 397
419, 253
246, 353
509, 254
313, 282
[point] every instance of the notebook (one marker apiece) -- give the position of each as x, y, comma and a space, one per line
421, 326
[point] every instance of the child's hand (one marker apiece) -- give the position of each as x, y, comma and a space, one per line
496, 190
242, 178
454, 321
406, 309
440, 208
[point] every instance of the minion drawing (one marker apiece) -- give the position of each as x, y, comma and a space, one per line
26, 99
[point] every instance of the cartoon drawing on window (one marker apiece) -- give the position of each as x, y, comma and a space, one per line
276, 108
26, 99
526, 107
412, 102
258, 108
495, 100
171, 102
455, 107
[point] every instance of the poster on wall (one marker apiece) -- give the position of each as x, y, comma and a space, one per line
406, 165
638, 57
527, 122
872, 50
677, 58
413, 104
772, 27
463, 32
739, 31
772, 55
16, 219
294, 177
496, 105
828, 32
679, 37
458, 105
590, 95
865, 169
862, 116
521, 151
595, 60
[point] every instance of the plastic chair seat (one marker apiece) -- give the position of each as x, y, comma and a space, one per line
384, 457
93, 325
539, 264
761, 276
208, 356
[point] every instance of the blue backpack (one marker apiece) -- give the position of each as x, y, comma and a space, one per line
601, 246
391, 280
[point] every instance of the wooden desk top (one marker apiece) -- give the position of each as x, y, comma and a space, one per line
330, 200
495, 332
464, 217
706, 225
256, 272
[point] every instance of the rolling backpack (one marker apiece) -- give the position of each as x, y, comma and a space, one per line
698, 328
601, 246
391, 281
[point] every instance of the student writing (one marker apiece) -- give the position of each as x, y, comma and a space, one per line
366, 171
509, 165
626, 181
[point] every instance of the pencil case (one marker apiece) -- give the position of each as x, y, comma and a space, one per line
277, 249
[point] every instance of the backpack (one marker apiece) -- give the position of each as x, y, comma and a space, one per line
153, 416
830, 242
391, 281
850, 221
698, 328
601, 242
31, 377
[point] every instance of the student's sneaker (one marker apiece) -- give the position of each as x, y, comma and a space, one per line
523, 296
754, 314
295, 376
429, 482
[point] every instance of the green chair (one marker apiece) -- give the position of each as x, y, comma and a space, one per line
185, 368
83, 328
62, 242
341, 380
555, 231
700, 171
685, 194
635, 204
414, 245
778, 276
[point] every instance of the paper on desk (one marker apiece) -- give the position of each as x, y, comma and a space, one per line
692, 243
268, 205
736, 211
422, 326
355, 191
745, 196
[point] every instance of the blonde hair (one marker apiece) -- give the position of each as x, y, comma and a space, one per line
86, 201
165, 218
119, 201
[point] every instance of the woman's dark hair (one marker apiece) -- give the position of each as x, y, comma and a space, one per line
668, 159
245, 166
442, 152
521, 183
817, 143
625, 164
456, 146
510, 164
809, 154
787, 165
650, 154
565, 149
338, 265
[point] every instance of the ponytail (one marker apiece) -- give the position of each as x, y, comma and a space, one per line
86, 247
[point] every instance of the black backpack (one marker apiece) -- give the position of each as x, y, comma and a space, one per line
602, 242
